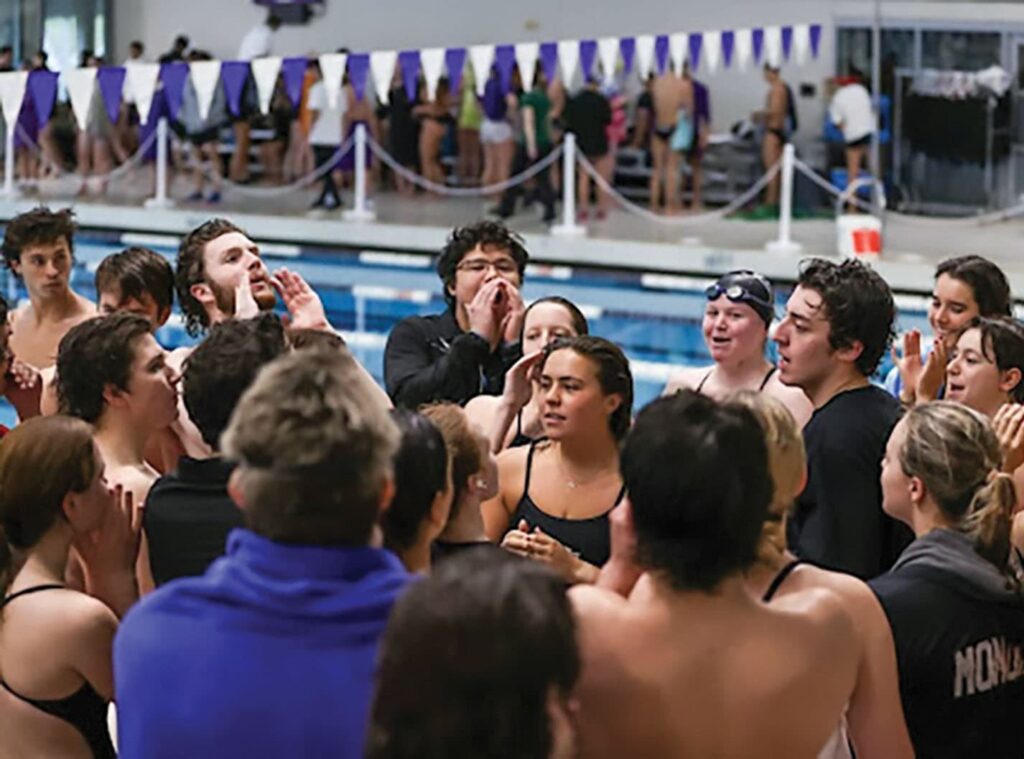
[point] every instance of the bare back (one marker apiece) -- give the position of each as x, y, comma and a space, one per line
667, 96
664, 677
35, 342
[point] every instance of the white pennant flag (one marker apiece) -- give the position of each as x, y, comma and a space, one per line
332, 69
481, 56
712, 49
264, 72
743, 48
12, 93
677, 51
608, 52
382, 67
773, 46
644, 55
801, 42
526, 59
205, 76
432, 61
568, 59
80, 84
140, 83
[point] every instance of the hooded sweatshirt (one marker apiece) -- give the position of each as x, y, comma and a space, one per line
958, 626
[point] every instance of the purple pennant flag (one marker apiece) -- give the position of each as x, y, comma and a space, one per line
757, 37
455, 60
728, 42
409, 63
627, 46
787, 41
42, 87
157, 110
358, 68
815, 39
695, 43
234, 75
549, 60
588, 52
111, 83
173, 75
661, 53
293, 72
505, 60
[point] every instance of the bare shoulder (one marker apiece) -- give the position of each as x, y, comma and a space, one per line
599, 616
685, 379
481, 408
824, 610
84, 309
858, 600
137, 480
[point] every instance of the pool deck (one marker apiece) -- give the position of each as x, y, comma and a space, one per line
623, 240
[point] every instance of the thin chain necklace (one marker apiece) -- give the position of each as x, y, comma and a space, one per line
571, 482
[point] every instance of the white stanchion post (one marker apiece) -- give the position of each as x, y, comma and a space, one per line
785, 242
160, 199
569, 227
10, 189
360, 210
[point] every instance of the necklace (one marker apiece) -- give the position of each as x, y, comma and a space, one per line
573, 483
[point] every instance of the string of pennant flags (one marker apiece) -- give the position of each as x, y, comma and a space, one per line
158, 89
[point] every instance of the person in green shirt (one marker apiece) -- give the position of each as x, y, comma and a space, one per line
534, 144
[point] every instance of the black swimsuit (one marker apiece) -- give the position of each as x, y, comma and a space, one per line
764, 382
780, 578
520, 439
590, 538
85, 709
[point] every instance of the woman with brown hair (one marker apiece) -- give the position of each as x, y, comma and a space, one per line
952, 598
555, 495
56, 675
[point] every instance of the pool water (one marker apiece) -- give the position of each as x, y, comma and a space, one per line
656, 319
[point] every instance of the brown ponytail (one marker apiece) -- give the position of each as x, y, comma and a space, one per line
990, 518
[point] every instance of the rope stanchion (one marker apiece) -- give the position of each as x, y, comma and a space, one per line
130, 163
678, 221
461, 192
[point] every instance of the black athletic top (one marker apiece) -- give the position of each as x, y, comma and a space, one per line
520, 439
430, 358
760, 387
958, 628
780, 578
589, 538
85, 709
838, 522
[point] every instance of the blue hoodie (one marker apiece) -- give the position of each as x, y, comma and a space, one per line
271, 653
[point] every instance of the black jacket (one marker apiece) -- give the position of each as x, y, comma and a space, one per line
429, 358
958, 626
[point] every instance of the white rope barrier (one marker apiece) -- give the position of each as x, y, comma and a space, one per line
678, 221
130, 163
461, 192
828, 187
298, 184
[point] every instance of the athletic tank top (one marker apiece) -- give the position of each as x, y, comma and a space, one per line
85, 709
761, 387
838, 745
589, 538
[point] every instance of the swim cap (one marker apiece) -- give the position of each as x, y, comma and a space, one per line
748, 287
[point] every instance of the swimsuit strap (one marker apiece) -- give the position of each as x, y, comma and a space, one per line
33, 589
767, 377
529, 466
619, 497
780, 578
519, 430
704, 379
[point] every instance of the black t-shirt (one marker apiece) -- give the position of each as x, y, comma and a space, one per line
960, 654
588, 116
187, 518
838, 522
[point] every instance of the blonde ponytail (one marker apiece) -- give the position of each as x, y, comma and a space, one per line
989, 520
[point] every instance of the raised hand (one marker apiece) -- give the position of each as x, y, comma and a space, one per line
515, 312
245, 303
305, 309
934, 373
519, 380
909, 364
486, 311
1008, 424
114, 545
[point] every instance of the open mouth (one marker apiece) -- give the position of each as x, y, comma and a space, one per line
550, 418
953, 388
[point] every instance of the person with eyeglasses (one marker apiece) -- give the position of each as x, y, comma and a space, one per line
737, 318
838, 325
466, 350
